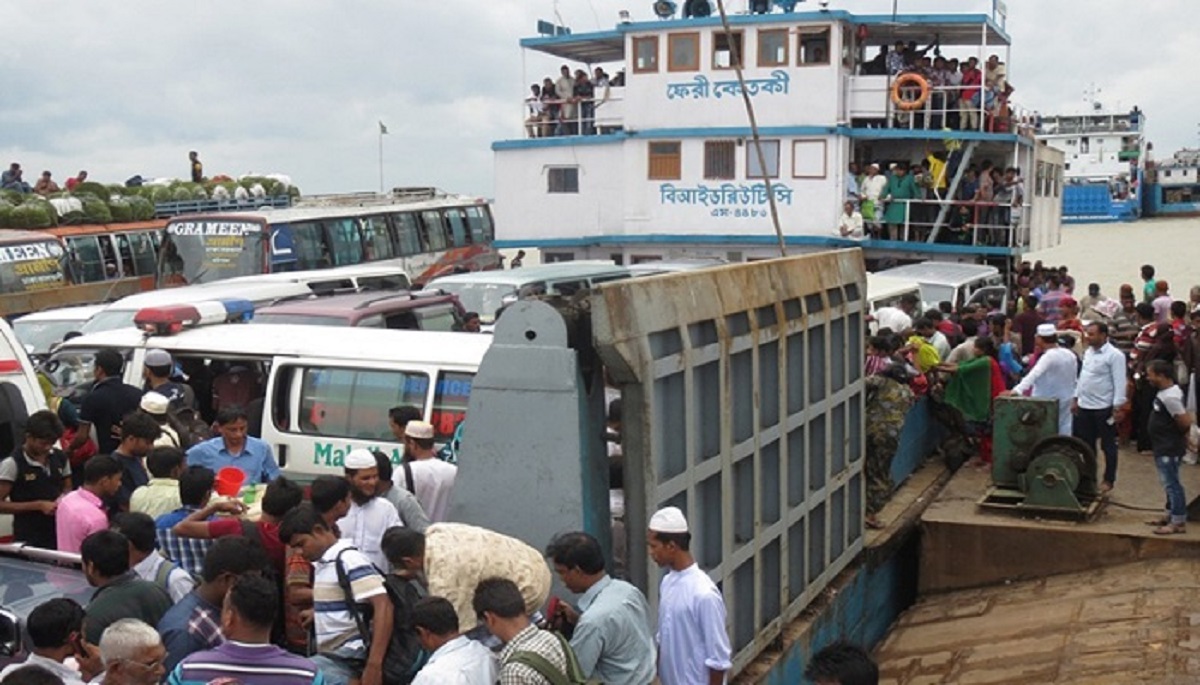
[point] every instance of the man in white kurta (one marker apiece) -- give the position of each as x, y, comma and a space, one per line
693, 646
432, 478
369, 515
1053, 376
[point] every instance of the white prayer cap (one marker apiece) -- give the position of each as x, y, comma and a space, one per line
1046, 330
668, 520
359, 459
154, 403
421, 430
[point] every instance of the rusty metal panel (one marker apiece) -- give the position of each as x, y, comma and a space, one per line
743, 405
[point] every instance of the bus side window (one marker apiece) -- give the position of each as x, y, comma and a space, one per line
126, 254
458, 227
309, 243
88, 259
480, 224
408, 234
345, 242
435, 231
108, 252
376, 238
142, 246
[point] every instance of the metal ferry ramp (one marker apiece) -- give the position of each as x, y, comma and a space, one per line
743, 405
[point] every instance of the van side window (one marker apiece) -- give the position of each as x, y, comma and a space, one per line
569, 288
353, 403
450, 399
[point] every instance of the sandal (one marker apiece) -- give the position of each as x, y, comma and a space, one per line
874, 523
1170, 529
1159, 522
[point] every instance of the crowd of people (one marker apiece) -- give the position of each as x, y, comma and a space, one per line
961, 91
1120, 370
14, 179
903, 203
567, 106
358, 580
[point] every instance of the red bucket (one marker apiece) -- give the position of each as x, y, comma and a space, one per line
229, 481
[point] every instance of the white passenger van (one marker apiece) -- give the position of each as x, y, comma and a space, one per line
485, 292
958, 284
313, 392
258, 290
20, 393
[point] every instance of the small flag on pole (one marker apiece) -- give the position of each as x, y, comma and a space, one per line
382, 129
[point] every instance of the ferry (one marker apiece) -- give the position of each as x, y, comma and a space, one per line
662, 162
1172, 187
1103, 169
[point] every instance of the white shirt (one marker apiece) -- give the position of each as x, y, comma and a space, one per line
850, 227
691, 628
893, 318
1102, 381
1053, 376
364, 525
461, 661
873, 187
179, 581
433, 480
941, 344
69, 675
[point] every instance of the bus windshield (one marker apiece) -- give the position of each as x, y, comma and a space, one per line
206, 250
35, 265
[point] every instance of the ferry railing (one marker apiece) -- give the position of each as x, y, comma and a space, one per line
870, 98
602, 114
991, 224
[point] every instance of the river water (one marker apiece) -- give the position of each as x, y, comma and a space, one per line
1112, 254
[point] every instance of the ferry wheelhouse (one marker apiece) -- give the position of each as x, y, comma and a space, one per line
1103, 165
662, 163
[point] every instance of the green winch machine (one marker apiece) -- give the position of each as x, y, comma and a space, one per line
1035, 470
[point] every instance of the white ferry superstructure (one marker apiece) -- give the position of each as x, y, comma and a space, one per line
1104, 162
667, 170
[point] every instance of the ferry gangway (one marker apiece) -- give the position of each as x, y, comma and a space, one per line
743, 405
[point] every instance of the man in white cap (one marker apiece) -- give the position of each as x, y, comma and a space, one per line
432, 479
157, 371
158, 406
369, 515
1053, 376
693, 647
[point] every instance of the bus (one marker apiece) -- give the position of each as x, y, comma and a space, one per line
72, 265
427, 234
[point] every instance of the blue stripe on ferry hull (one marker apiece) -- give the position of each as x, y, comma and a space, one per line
796, 240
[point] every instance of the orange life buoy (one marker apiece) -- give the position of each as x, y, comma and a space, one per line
909, 80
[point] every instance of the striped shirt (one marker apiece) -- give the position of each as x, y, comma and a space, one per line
335, 626
246, 663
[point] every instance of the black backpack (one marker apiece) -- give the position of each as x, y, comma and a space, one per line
404, 654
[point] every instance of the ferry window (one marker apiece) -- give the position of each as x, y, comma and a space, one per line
773, 48
563, 179
458, 227
720, 159
813, 46
85, 253
727, 50
810, 159
450, 398
309, 243
768, 166
347, 403
481, 224
346, 241
376, 239
683, 52
435, 230
408, 233
665, 162
645, 55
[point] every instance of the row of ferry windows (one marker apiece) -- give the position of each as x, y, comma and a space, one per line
347, 241
809, 161
683, 49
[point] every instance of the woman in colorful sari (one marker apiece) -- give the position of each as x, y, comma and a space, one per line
975, 384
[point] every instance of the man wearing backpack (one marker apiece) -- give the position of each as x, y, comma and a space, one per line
145, 560
531, 656
352, 614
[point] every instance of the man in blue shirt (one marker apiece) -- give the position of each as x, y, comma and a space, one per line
234, 447
612, 637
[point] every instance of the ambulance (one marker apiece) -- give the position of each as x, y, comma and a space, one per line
313, 393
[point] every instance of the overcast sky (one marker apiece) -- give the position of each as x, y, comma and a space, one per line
298, 86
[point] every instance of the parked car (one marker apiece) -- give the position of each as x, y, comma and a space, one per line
397, 309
